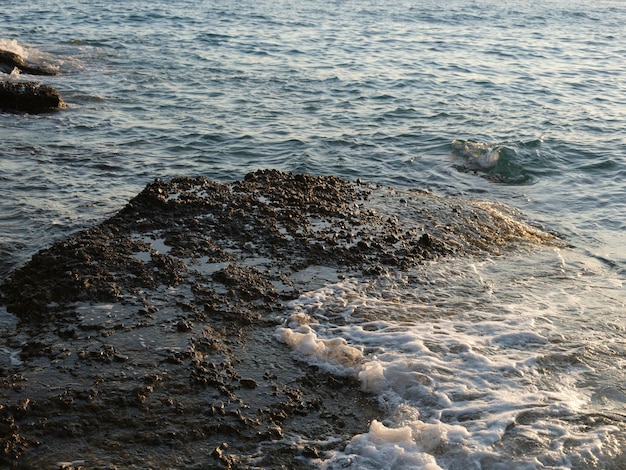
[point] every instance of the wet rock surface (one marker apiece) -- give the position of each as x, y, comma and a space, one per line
10, 60
148, 340
29, 97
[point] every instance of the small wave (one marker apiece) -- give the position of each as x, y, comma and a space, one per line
478, 155
12, 75
491, 384
13, 46
508, 163
85, 98
33, 57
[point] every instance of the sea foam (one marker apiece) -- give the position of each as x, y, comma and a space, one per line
464, 374
13, 46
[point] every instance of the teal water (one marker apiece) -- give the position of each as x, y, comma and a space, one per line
522, 103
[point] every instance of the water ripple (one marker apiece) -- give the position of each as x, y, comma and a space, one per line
374, 89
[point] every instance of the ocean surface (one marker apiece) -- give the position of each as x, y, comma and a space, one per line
510, 362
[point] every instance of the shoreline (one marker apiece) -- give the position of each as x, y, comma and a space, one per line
156, 327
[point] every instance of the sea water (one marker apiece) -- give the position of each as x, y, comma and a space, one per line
516, 361
478, 364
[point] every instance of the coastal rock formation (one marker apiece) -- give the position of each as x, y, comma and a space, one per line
148, 340
29, 97
10, 60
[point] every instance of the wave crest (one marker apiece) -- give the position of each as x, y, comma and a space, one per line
508, 163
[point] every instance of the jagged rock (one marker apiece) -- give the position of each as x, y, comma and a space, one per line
30, 97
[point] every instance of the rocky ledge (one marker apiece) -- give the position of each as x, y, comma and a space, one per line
148, 340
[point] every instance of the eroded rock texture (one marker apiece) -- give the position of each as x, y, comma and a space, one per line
29, 97
148, 340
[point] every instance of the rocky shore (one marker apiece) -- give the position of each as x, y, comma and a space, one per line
148, 340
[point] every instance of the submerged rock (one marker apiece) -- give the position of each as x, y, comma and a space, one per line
148, 340
10, 60
30, 97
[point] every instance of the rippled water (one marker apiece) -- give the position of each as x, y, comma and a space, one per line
517, 102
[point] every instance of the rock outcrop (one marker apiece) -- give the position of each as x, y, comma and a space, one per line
10, 60
29, 97
148, 340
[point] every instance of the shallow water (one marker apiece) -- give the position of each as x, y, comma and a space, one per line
481, 364
515, 102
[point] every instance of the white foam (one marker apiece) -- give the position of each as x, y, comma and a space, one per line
30, 54
482, 363
333, 354
13, 46
402, 447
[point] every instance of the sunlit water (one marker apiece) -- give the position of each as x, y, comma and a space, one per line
478, 363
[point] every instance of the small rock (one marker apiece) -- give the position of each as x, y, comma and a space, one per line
184, 325
30, 97
310, 452
425, 240
248, 383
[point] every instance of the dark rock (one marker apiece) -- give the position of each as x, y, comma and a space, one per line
29, 97
424, 241
176, 350
184, 325
248, 383
10, 60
